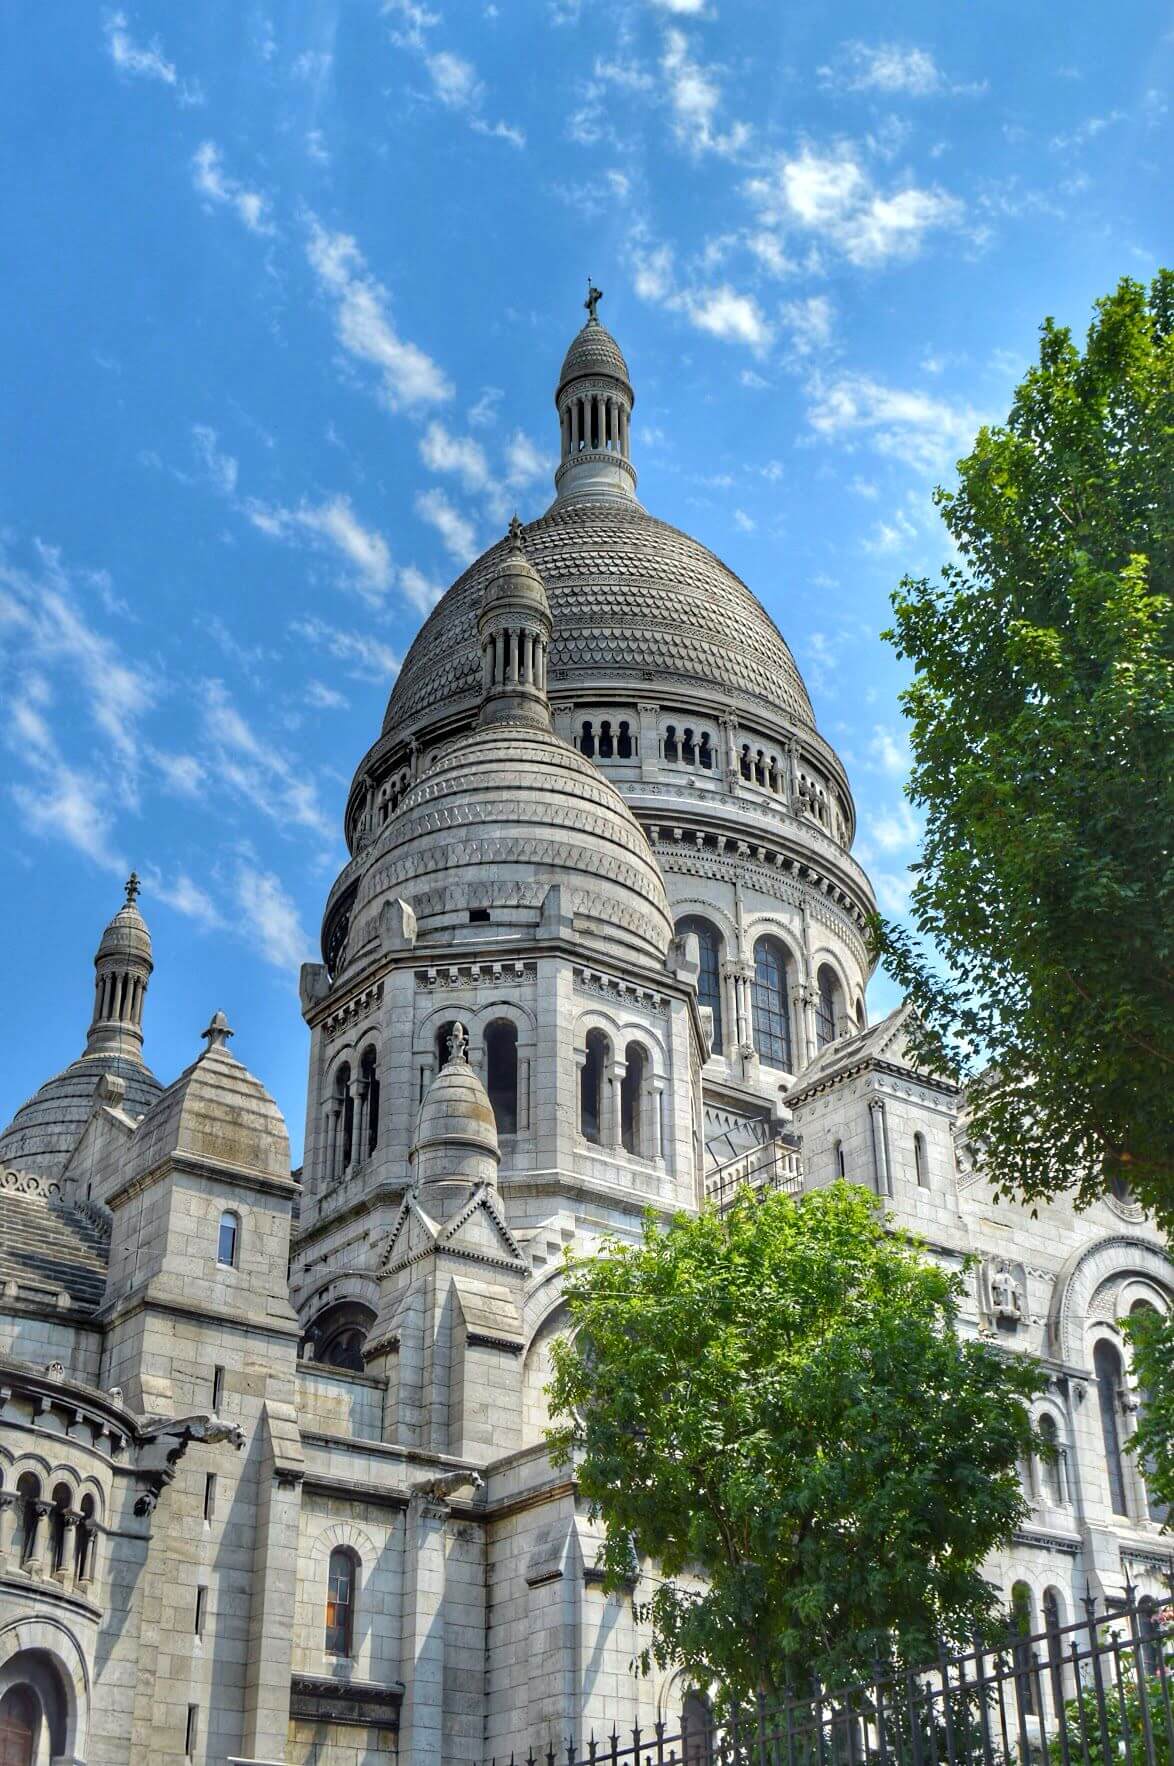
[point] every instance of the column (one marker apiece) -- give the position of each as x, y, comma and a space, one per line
41, 1512
654, 1136
356, 1089
359, 1147
613, 1078
64, 1571
574, 426
648, 756
9, 1513
880, 1151
87, 1534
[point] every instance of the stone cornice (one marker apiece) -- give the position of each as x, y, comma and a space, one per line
186, 1165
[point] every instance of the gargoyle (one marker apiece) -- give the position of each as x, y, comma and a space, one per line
445, 1484
165, 1440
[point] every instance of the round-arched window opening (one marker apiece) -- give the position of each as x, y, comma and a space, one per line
340, 1334
591, 1075
632, 1099
501, 1073
772, 1021
20, 1726
709, 981
341, 1592
228, 1240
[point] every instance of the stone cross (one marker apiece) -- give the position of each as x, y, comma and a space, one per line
594, 296
132, 888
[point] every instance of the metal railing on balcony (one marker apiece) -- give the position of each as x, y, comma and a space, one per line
775, 1165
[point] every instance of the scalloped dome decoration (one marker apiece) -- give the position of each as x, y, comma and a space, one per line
593, 351
631, 597
517, 806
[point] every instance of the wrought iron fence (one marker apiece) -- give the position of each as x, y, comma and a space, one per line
1097, 1692
775, 1165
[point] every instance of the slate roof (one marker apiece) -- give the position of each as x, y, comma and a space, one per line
46, 1245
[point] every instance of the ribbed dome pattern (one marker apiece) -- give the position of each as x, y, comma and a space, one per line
632, 599
593, 351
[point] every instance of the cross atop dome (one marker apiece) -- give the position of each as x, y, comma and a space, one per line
594, 296
133, 886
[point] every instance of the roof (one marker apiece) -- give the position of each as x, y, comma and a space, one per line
215, 1110
885, 1043
633, 600
594, 351
45, 1130
48, 1246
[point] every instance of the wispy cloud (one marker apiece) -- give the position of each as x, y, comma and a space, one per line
455, 82
831, 197
219, 189
221, 468
894, 70
145, 61
408, 375
442, 451
695, 99
255, 769
332, 523
728, 314
455, 530
926, 433
419, 590
271, 915
364, 657
809, 323
187, 897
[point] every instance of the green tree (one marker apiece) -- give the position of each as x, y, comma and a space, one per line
1041, 714
1152, 1338
774, 1414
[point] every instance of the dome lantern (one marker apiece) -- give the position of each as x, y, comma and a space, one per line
594, 402
123, 963
514, 627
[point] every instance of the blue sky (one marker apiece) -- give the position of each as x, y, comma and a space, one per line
285, 293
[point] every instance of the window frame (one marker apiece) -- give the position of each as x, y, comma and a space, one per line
231, 1219
347, 1554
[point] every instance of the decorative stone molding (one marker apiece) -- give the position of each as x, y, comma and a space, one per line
359, 1006
439, 977
617, 992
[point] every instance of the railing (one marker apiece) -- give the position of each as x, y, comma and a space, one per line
1099, 1692
775, 1165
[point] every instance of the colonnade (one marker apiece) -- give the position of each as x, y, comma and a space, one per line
598, 422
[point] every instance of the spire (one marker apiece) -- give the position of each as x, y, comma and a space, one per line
123, 964
594, 402
514, 626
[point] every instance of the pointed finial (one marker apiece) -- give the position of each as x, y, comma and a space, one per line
218, 1032
594, 296
132, 888
458, 1043
515, 532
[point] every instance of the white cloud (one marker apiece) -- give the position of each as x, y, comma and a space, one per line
221, 468
889, 751
68, 805
652, 269
454, 80
316, 148
415, 22
214, 184
409, 376
695, 98
129, 57
255, 769
187, 897
366, 657
272, 917
895, 830
924, 432
333, 523
832, 197
455, 530
745, 523
809, 322
313, 66
182, 774
484, 412
725, 313
525, 463
324, 698
442, 451
884, 67
419, 590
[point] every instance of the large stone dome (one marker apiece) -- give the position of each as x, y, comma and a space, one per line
506, 814
593, 351
44, 1132
633, 600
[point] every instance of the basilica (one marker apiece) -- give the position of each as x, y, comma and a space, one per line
273, 1481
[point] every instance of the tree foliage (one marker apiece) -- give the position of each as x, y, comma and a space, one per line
778, 1402
1041, 716
1151, 1335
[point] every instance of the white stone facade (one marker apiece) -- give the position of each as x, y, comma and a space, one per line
272, 1476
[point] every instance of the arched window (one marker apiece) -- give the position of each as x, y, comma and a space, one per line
442, 1050
62, 1503
85, 1541
370, 1076
705, 752
709, 981
744, 761
772, 1022
229, 1239
860, 1019
632, 1099
591, 1087
605, 740
344, 1105
1053, 1480
827, 1006
1156, 1509
670, 742
688, 752
341, 1588
339, 1334
1107, 1366
624, 743
696, 1730
28, 1490
1021, 1628
501, 1061
921, 1160
841, 1164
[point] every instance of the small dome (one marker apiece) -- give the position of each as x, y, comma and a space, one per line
515, 579
594, 351
456, 1135
44, 1132
126, 936
509, 811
